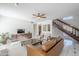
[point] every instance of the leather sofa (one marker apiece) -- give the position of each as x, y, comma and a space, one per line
52, 47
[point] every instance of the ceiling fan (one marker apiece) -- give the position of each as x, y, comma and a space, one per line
39, 15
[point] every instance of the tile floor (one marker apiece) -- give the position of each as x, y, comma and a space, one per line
17, 50
71, 48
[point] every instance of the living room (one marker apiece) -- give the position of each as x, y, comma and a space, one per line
25, 24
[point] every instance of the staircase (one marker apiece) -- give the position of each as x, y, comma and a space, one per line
67, 28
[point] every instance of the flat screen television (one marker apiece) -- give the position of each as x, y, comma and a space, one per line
21, 31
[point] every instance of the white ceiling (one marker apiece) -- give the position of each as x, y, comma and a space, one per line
52, 10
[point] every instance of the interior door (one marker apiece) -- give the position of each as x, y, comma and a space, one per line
39, 29
34, 29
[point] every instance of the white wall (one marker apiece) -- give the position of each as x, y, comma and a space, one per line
45, 23
74, 22
53, 30
25, 11
11, 25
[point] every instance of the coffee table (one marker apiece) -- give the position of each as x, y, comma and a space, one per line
37, 43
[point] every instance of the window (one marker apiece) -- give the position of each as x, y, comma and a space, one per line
46, 27
68, 18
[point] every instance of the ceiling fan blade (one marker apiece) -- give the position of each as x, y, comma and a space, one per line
39, 16
34, 14
42, 15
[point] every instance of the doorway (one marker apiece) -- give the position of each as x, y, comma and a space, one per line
39, 27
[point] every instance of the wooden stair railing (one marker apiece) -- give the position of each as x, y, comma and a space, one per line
72, 33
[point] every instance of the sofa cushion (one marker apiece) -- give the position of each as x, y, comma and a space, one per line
56, 38
46, 46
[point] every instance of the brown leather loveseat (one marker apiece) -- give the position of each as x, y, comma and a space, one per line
50, 48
